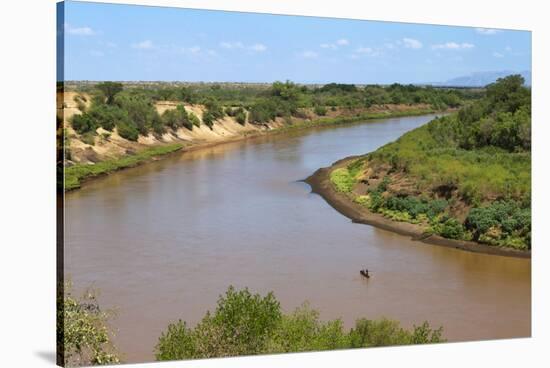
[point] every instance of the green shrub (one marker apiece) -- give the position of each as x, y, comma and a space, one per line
241, 325
416, 206
208, 119
127, 131
303, 331
452, 229
110, 90
176, 343
502, 221
240, 116
194, 119
83, 123
82, 334
320, 110
177, 118
246, 323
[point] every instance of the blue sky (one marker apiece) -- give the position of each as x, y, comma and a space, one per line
128, 42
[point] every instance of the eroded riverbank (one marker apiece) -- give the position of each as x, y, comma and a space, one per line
78, 174
320, 184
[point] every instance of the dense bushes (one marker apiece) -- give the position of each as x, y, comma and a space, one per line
502, 119
245, 323
239, 114
132, 108
479, 156
178, 117
416, 206
501, 223
213, 111
82, 334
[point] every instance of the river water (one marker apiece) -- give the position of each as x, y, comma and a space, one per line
162, 241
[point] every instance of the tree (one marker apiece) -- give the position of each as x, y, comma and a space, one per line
110, 90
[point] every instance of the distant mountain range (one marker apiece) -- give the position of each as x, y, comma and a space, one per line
481, 79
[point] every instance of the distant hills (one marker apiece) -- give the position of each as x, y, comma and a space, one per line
481, 79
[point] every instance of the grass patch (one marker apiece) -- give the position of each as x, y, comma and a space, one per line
342, 180
75, 174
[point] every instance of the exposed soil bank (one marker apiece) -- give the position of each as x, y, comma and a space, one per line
320, 184
247, 132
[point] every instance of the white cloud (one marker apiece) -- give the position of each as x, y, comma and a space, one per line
79, 31
232, 45
143, 45
453, 46
487, 31
259, 47
342, 42
335, 45
308, 54
498, 55
411, 43
364, 50
194, 49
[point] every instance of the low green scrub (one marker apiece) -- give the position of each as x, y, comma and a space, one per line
345, 178
415, 206
76, 173
320, 110
178, 118
83, 337
502, 223
245, 323
342, 180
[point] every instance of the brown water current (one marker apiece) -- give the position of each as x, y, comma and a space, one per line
162, 241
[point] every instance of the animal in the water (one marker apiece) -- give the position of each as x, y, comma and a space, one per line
365, 273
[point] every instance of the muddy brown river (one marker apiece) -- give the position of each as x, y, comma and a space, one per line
162, 241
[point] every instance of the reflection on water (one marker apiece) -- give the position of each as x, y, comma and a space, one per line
163, 240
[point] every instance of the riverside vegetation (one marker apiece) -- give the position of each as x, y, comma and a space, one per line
245, 324
242, 324
113, 112
465, 176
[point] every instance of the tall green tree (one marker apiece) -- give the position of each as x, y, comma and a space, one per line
110, 90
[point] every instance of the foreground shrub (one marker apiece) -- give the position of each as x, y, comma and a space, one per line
82, 332
246, 323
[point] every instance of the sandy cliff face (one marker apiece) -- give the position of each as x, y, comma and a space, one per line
109, 145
